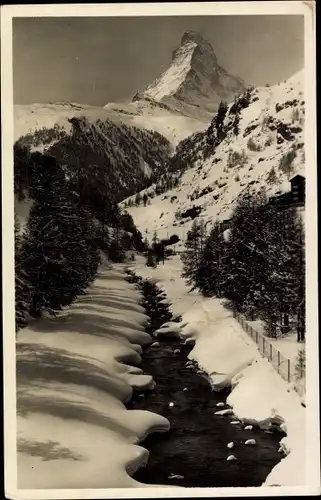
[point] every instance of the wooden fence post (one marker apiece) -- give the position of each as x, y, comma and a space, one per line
289, 370
271, 353
263, 345
256, 337
279, 361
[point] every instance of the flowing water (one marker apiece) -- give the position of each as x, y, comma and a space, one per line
194, 452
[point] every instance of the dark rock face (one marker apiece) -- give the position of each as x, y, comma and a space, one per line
204, 81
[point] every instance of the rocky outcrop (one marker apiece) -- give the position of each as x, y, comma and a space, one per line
195, 76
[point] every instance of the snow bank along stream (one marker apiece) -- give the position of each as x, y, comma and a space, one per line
77, 372
74, 375
207, 446
259, 396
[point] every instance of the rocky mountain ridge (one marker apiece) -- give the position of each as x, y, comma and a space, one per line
254, 143
195, 77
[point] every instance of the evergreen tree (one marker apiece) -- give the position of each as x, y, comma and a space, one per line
300, 364
102, 238
126, 241
300, 272
272, 177
59, 254
218, 123
260, 269
21, 156
145, 198
17, 234
127, 223
155, 238
22, 288
285, 271
138, 199
137, 241
117, 251
150, 261
264, 263
246, 262
210, 275
193, 250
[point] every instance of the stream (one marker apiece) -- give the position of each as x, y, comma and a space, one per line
194, 452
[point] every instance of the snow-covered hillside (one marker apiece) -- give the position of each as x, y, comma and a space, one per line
119, 159
148, 114
31, 117
145, 114
263, 146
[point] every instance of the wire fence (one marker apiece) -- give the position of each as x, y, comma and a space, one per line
284, 366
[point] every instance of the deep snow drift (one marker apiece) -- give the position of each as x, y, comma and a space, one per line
230, 357
74, 374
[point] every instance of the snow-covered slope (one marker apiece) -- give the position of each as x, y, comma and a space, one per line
195, 77
145, 115
31, 117
265, 151
117, 158
74, 374
166, 120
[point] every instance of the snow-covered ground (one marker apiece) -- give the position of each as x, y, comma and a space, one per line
229, 356
74, 430
31, 117
222, 182
287, 345
74, 374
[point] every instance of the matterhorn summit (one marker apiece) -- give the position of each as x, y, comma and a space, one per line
194, 77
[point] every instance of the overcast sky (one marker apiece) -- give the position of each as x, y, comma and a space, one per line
98, 60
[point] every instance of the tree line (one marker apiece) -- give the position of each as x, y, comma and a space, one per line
167, 182
58, 252
125, 159
258, 265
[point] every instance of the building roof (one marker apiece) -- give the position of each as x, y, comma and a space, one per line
297, 176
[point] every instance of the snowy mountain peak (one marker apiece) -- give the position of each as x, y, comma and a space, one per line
191, 40
192, 36
194, 76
